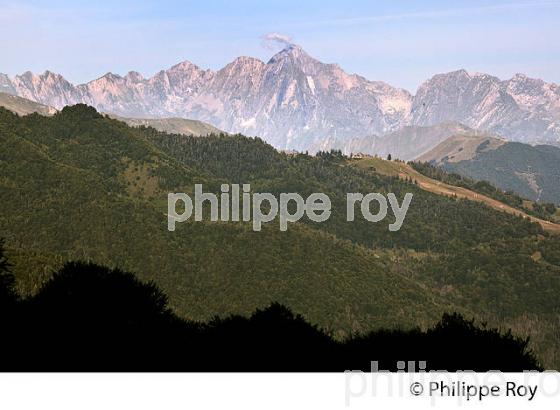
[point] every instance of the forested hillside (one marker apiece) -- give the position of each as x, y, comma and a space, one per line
79, 185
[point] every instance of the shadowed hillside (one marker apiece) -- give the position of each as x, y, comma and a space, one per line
90, 318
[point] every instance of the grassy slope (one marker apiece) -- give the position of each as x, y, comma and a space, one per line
460, 148
403, 170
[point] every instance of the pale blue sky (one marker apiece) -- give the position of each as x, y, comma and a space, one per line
400, 42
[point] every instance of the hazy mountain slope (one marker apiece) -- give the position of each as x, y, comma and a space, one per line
297, 102
172, 125
23, 106
406, 143
6, 85
79, 185
531, 171
460, 148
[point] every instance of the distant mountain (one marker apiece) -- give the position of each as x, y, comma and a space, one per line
297, 102
291, 101
460, 148
6, 85
172, 125
521, 108
406, 143
23, 106
531, 171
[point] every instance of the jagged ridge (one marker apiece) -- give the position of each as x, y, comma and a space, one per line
295, 101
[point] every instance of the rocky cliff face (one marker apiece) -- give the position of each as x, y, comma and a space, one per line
521, 108
297, 102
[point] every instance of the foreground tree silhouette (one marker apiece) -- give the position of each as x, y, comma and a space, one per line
89, 317
8, 294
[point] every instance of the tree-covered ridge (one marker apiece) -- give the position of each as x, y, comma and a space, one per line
79, 185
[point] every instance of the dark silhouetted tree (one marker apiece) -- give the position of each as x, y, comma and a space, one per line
92, 318
8, 295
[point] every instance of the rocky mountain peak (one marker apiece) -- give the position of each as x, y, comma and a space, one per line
184, 66
534, 94
452, 77
6, 85
134, 77
293, 55
111, 77
50, 74
27, 76
246, 61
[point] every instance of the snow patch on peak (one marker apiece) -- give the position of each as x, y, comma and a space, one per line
311, 84
292, 53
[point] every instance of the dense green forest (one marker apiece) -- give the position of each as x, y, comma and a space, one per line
81, 186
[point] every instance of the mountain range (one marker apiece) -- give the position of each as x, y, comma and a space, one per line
294, 101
